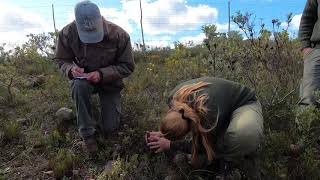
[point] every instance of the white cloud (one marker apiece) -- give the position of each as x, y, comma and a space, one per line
160, 17
117, 17
157, 43
296, 21
224, 27
294, 25
163, 41
16, 23
169, 16
70, 18
198, 39
154, 42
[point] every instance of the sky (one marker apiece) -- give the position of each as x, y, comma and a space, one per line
164, 21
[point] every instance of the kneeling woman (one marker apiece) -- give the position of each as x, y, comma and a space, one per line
225, 119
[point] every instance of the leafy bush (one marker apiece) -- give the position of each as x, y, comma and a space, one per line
63, 163
57, 138
120, 169
11, 131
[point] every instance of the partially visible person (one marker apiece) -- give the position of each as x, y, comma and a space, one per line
96, 55
309, 36
224, 118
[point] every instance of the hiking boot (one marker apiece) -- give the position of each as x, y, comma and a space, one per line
91, 144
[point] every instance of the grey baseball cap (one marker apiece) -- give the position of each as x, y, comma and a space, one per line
89, 22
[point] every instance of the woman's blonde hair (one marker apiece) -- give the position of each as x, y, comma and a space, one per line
187, 112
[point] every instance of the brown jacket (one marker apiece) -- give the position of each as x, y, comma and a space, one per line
112, 57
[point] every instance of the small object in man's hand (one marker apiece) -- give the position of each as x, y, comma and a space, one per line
80, 78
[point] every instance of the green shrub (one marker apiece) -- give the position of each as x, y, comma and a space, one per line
308, 122
57, 138
11, 131
274, 154
121, 169
63, 163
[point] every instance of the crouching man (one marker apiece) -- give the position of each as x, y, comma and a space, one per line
95, 55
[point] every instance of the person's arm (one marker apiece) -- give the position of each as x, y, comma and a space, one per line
124, 64
155, 140
64, 55
308, 20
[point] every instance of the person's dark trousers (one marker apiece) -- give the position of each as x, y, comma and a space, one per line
82, 91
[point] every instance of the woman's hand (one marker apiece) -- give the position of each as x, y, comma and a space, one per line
152, 136
159, 144
156, 141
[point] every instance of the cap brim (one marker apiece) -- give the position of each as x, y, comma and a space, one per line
91, 36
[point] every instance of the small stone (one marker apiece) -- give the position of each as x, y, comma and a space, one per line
75, 172
120, 133
22, 121
65, 114
48, 172
108, 167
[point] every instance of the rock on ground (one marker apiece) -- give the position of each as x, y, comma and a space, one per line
65, 114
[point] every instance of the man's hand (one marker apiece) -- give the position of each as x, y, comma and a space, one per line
159, 144
77, 72
93, 77
305, 51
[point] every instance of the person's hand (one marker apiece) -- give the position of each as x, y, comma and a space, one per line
77, 72
152, 136
159, 144
305, 51
93, 77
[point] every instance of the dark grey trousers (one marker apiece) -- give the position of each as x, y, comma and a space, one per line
82, 91
311, 78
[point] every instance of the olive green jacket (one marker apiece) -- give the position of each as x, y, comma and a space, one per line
224, 97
